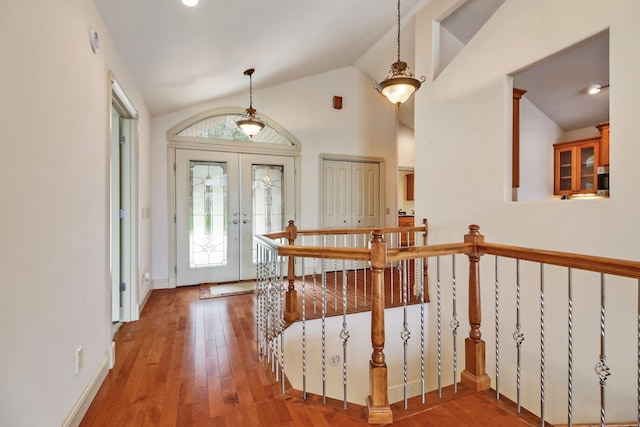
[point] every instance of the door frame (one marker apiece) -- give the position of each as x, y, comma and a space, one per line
177, 142
123, 233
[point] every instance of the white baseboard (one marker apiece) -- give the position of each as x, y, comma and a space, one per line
74, 418
160, 284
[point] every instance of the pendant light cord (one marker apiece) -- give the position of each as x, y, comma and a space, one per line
251, 90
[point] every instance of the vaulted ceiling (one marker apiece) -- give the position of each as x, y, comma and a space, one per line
183, 56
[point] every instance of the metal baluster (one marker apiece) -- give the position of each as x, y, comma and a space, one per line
282, 324
324, 329
304, 334
405, 335
638, 357
354, 265
439, 321
518, 335
497, 324
454, 325
258, 299
422, 373
364, 271
391, 270
335, 277
602, 370
315, 280
344, 333
542, 353
570, 372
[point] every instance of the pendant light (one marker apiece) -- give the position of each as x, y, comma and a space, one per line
400, 83
250, 125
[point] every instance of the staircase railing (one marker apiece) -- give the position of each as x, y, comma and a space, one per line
384, 258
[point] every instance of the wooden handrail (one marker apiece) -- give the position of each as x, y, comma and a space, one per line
565, 259
413, 252
346, 231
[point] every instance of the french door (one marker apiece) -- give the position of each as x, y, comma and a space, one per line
222, 200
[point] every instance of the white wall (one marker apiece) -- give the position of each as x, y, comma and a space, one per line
462, 167
538, 133
54, 169
364, 126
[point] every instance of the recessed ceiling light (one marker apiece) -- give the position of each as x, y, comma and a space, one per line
190, 3
595, 88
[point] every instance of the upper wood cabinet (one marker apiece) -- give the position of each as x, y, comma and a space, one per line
576, 166
409, 186
576, 163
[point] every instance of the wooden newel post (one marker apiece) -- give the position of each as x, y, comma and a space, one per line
378, 409
475, 372
291, 298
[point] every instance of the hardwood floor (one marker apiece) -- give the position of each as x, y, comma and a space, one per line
192, 362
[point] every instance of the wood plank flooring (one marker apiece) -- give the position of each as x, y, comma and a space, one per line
192, 362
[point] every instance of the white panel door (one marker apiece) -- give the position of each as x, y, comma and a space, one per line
351, 194
223, 200
336, 186
371, 189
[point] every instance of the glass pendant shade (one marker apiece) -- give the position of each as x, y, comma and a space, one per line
250, 126
398, 89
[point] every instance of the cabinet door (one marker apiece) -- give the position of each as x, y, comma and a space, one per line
587, 156
564, 171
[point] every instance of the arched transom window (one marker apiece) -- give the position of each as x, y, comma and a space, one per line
221, 125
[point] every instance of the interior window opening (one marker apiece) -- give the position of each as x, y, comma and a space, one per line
560, 145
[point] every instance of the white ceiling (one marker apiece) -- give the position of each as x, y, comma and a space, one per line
182, 56
558, 85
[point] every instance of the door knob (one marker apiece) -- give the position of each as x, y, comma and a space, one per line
244, 221
235, 221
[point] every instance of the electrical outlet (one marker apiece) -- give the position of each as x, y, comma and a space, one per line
79, 359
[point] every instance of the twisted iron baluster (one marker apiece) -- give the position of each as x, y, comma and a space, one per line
324, 329
304, 334
335, 277
391, 270
354, 265
454, 325
315, 279
364, 272
405, 335
497, 325
542, 353
602, 370
283, 325
422, 383
344, 333
518, 335
258, 299
439, 321
570, 373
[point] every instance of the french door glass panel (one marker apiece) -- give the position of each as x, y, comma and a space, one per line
268, 200
207, 214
